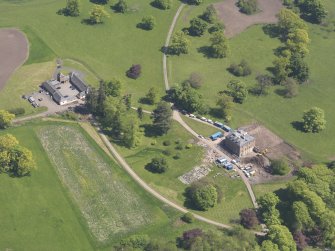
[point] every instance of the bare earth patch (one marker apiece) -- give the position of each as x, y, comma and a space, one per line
276, 147
236, 22
13, 52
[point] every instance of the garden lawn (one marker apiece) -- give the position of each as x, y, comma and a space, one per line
261, 189
38, 213
108, 49
24, 81
235, 197
168, 184
200, 128
35, 212
274, 111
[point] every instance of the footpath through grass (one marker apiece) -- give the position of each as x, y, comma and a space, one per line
274, 111
235, 195
39, 205
35, 212
108, 49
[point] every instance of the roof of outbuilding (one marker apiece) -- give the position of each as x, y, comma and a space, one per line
78, 82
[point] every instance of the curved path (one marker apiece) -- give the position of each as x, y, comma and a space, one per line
167, 42
176, 115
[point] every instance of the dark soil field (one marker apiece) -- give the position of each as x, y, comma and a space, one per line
236, 22
13, 52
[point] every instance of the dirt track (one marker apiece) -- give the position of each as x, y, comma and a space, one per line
236, 22
14, 49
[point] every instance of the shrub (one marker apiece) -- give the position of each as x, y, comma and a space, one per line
178, 141
153, 142
70, 115
241, 69
248, 218
248, 7
17, 111
194, 2
121, 6
188, 218
166, 142
210, 14
198, 27
147, 23
195, 80
166, 152
177, 156
135, 242
280, 167
179, 147
162, 4
134, 71
188, 146
157, 165
216, 27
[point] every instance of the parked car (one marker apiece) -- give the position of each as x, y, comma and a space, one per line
233, 161
203, 119
191, 115
184, 112
210, 121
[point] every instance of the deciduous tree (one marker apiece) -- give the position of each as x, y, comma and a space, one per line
162, 117
5, 119
237, 90
98, 14
179, 44
219, 45
314, 120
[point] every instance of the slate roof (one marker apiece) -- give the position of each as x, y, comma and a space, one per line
240, 137
78, 82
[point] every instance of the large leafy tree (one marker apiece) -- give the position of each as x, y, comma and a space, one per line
162, 4
72, 8
210, 14
288, 21
152, 96
97, 14
237, 90
14, 159
225, 104
5, 118
219, 45
121, 6
162, 117
281, 236
202, 196
248, 218
314, 120
187, 98
197, 27
179, 44
157, 165
312, 10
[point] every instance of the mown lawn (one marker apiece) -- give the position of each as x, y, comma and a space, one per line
168, 184
25, 81
39, 213
36, 214
199, 127
274, 111
108, 49
261, 189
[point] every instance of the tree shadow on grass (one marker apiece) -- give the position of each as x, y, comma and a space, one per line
206, 51
150, 130
215, 112
298, 125
281, 92
272, 30
87, 21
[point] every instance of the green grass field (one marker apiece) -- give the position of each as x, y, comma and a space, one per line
99, 192
168, 184
36, 214
199, 127
39, 212
26, 80
108, 49
261, 189
274, 111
